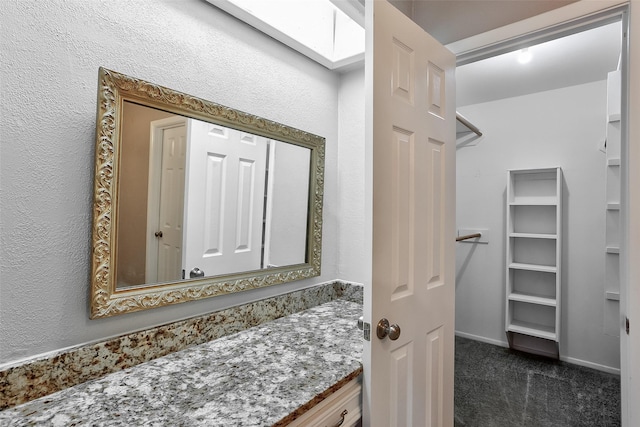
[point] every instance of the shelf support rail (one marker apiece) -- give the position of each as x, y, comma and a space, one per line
469, 236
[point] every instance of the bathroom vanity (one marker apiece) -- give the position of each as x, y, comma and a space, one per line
235, 366
300, 368
341, 408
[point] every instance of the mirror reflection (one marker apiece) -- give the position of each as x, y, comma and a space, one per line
193, 199
200, 199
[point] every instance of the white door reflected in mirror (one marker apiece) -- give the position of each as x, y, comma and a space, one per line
212, 199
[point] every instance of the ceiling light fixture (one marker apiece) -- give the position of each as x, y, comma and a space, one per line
524, 56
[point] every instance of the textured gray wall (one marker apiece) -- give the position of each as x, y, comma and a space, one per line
51, 52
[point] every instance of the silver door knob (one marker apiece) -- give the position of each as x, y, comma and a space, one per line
196, 272
384, 329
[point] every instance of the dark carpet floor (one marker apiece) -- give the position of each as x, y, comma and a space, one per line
499, 387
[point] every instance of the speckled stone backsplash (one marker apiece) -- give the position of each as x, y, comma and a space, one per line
48, 374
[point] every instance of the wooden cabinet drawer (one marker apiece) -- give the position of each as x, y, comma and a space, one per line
328, 413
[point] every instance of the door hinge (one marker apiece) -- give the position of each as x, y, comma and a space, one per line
626, 325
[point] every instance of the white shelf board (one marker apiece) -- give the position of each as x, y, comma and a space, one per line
534, 235
546, 171
546, 332
613, 162
533, 267
534, 201
613, 206
613, 250
532, 299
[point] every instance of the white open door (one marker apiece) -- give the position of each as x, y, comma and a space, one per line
411, 164
224, 205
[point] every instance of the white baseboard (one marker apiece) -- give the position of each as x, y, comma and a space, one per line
596, 366
572, 360
482, 339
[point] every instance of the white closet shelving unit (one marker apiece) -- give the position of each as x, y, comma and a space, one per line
612, 215
534, 248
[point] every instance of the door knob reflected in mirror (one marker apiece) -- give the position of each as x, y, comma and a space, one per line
384, 329
196, 272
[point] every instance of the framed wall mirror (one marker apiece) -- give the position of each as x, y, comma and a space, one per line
193, 199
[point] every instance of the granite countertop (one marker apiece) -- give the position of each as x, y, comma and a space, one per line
263, 376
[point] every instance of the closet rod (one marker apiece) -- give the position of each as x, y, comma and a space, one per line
468, 236
467, 123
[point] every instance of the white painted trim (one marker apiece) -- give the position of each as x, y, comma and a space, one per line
482, 339
586, 364
156, 132
563, 15
571, 360
352, 8
348, 64
268, 209
629, 214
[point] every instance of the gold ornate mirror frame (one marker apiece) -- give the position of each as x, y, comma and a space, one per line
108, 300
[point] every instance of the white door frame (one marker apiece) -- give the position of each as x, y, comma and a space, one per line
554, 24
157, 128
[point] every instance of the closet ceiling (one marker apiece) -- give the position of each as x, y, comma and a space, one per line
581, 58
576, 59
453, 20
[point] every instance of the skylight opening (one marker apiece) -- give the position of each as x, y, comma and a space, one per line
315, 28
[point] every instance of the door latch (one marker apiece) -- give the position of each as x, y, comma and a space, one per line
366, 328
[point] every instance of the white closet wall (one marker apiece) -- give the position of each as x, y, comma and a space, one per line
566, 128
